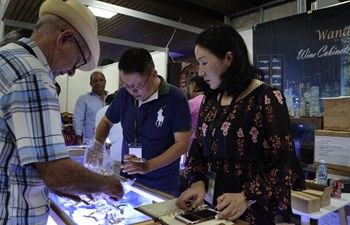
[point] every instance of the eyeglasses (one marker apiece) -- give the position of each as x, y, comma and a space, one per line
82, 61
136, 86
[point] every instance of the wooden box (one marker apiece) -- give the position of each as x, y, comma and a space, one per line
334, 148
305, 202
321, 191
336, 114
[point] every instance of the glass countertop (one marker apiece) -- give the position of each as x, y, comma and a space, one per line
103, 210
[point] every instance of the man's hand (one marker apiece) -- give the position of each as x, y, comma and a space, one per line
114, 188
66, 177
75, 198
134, 165
94, 154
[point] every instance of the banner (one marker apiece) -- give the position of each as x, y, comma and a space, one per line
307, 56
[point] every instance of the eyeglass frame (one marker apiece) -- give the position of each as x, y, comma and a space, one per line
138, 87
82, 54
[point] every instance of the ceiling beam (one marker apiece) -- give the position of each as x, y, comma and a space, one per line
117, 41
130, 43
258, 8
222, 6
3, 7
140, 15
15, 23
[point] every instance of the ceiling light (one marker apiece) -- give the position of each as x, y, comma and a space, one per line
102, 12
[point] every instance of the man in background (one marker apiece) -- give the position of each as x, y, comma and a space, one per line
86, 108
33, 157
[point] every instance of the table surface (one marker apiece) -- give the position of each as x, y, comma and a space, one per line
334, 206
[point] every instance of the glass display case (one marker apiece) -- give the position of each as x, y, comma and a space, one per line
272, 69
103, 210
303, 132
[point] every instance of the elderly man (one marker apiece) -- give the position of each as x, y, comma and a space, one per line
86, 108
33, 155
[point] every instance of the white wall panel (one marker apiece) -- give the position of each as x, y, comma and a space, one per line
160, 63
247, 36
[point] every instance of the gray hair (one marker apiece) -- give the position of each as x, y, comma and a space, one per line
15, 35
51, 24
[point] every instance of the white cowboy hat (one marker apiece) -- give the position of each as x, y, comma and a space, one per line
82, 19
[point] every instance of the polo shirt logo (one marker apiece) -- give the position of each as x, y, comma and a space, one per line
160, 117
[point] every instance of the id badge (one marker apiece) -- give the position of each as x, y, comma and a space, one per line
135, 149
209, 195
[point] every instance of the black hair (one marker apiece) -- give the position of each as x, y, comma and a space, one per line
136, 60
58, 88
109, 98
219, 40
96, 72
200, 83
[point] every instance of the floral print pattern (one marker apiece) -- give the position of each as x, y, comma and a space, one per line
254, 132
225, 127
254, 153
204, 129
279, 96
240, 133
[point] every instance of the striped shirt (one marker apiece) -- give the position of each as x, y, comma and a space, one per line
30, 132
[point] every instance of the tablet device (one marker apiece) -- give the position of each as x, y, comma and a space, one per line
197, 216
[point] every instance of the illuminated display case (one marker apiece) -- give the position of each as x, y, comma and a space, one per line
103, 210
272, 69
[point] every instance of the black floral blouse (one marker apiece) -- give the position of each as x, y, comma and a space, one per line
250, 148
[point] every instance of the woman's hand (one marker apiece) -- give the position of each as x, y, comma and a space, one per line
192, 197
231, 206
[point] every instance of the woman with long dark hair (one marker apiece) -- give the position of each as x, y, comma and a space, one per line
243, 153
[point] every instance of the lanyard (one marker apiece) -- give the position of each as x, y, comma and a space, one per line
218, 119
136, 124
29, 49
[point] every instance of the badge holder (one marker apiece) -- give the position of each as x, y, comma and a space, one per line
135, 149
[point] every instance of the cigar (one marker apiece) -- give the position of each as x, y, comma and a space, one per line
85, 202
